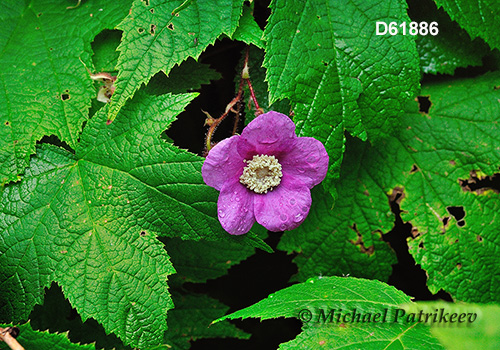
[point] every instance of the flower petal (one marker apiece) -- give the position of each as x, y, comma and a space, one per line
235, 208
223, 163
284, 208
307, 161
270, 133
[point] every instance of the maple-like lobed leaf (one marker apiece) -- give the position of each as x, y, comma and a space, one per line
154, 39
45, 88
323, 57
89, 221
426, 164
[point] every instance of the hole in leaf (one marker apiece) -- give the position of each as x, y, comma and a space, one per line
479, 238
152, 10
7, 123
459, 266
421, 245
457, 212
424, 104
446, 219
397, 195
461, 223
152, 29
480, 184
414, 169
39, 14
143, 233
171, 26
65, 97
145, 2
140, 30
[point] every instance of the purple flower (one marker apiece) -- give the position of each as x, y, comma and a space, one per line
265, 174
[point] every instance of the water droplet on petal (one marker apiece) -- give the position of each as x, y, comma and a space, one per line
312, 158
245, 210
293, 201
283, 217
221, 213
270, 139
300, 170
282, 227
304, 209
298, 218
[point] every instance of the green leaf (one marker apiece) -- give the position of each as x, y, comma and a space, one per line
451, 48
427, 169
483, 333
105, 55
345, 240
320, 300
44, 87
248, 30
200, 261
478, 17
191, 318
30, 339
189, 76
155, 40
57, 316
323, 56
89, 221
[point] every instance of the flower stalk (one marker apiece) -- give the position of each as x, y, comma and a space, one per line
230, 108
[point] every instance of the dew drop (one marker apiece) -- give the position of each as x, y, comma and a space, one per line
282, 227
312, 159
293, 201
298, 217
245, 210
283, 217
221, 213
300, 170
304, 209
270, 139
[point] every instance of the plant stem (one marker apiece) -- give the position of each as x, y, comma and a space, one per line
9, 339
214, 123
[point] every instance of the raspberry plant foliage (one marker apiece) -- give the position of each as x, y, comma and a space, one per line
102, 212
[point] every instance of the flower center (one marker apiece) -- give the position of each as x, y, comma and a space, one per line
262, 173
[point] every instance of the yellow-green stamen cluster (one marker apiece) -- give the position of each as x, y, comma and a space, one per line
262, 173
